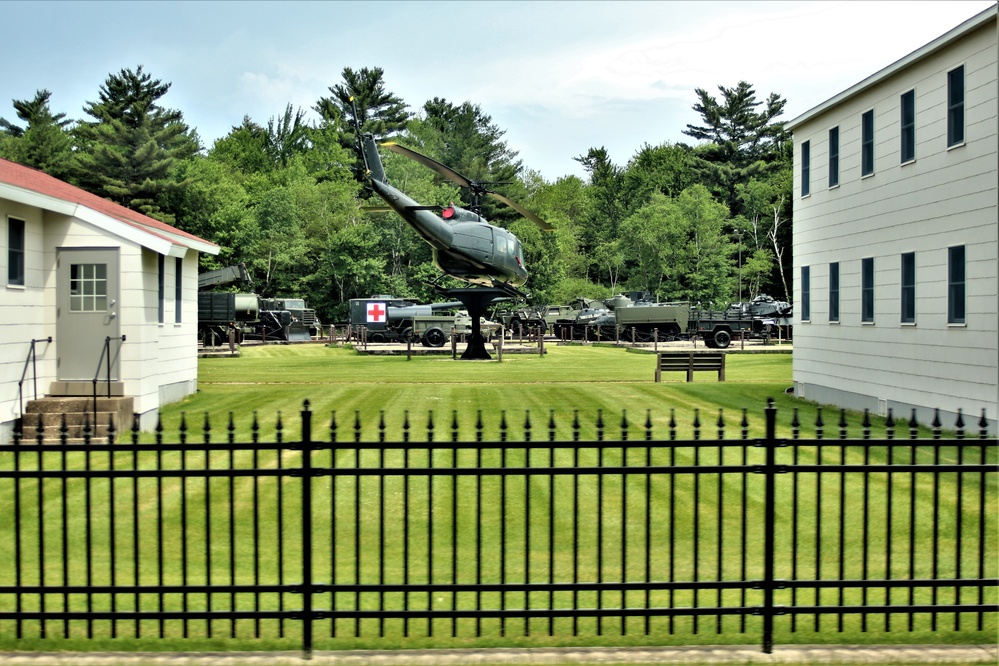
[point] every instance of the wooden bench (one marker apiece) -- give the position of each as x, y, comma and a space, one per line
690, 362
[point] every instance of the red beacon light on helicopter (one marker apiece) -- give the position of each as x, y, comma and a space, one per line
448, 213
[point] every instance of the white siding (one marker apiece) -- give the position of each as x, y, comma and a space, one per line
24, 314
158, 361
942, 199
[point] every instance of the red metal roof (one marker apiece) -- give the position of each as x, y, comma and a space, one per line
34, 180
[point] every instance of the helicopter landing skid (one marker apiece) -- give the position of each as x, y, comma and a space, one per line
476, 300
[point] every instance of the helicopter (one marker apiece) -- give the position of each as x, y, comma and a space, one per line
465, 246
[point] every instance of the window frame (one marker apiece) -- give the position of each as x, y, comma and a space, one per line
806, 293
907, 281
867, 281
957, 312
834, 292
907, 148
955, 107
867, 143
806, 168
15, 251
834, 157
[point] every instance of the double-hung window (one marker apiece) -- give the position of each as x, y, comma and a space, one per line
834, 291
15, 251
955, 106
867, 290
867, 143
834, 157
806, 168
806, 294
908, 148
178, 284
161, 293
955, 285
909, 288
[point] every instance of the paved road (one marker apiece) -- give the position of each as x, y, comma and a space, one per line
825, 654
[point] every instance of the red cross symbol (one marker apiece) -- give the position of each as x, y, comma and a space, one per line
376, 313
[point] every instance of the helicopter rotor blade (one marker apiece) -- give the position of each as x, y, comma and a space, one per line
523, 211
477, 188
445, 171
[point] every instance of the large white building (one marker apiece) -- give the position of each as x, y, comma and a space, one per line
77, 274
896, 235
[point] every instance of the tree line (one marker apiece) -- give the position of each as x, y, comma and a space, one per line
683, 222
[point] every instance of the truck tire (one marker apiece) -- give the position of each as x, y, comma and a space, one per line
377, 337
722, 338
434, 337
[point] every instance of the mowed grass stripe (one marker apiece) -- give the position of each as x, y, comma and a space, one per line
337, 380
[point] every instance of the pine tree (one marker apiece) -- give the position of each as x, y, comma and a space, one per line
127, 151
380, 113
741, 141
45, 143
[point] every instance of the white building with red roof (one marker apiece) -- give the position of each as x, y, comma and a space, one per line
104, 292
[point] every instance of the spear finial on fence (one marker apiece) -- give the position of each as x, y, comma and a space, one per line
890, 425
333, 427
551, 425
648, 425
207, 429
672, 424
866, 424
937, 425
819, 423
721, 424
454, 425
430, 425
983, 426
381, 425
624, 425
842, 424
697, 423
795, 425
959, 424
527, 425
913, 425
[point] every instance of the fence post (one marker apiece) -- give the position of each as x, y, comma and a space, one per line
770, 471
307, 617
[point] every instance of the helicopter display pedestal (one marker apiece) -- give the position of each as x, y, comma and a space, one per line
476, 300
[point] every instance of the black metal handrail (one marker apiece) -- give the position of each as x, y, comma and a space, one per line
32, 356
105, 353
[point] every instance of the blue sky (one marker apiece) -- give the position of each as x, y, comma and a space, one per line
558, 77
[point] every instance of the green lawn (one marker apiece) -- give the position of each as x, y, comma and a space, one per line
389, 543
568, 379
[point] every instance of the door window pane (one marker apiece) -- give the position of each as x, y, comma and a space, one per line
88, 288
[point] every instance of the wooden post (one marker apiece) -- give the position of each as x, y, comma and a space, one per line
499, 347
655, 340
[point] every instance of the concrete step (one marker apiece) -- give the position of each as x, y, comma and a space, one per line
76, 411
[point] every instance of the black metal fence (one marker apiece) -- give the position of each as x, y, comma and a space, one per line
327, 542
